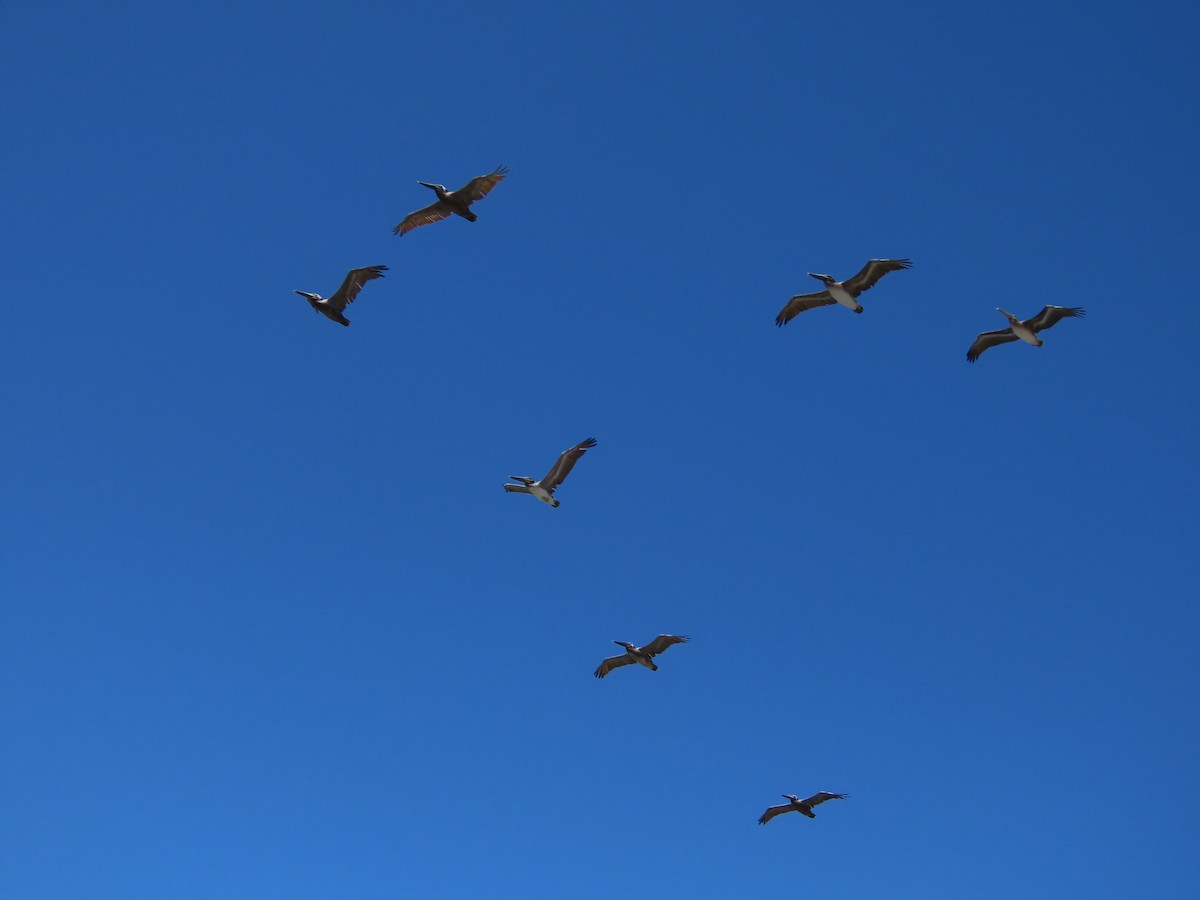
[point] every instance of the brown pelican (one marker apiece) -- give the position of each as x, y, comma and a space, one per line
843, 292
798, 805
1026, 331
448, 202
544, 489
640, 655
332, 307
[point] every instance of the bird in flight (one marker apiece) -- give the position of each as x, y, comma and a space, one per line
333, 306
643, 656
449, 203
844, 292
795, 804
544, 489
1025, 331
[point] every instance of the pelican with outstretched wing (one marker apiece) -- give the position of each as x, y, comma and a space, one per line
798, 805
333, 306
1025, 331
448, 203
843, 292
544, 489
643, 656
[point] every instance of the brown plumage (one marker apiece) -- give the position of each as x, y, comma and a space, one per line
448, 203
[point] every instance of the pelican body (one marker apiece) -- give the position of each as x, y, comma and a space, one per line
545, 488
844, 292
1026, 331
451, 203
795, 804
332, 307
643, 656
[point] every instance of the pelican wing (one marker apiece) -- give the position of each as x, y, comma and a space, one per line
822, 796
613, 662
662, 642
434, 212
354, 282
1051, 316
773, 811
989, 339
872, 272
565, 463
517, 488
802, 303
479, 187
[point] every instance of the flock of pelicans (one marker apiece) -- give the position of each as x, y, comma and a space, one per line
846, 293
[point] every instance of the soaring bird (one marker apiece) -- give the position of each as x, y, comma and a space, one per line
798, 805
843, 292
544, 489
456, 202
332, 307
640, 655
1026, 331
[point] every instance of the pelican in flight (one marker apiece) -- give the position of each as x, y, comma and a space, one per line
452, 202
640, 655
1026, 331
332, 307
544, 489
843, 292
795, 804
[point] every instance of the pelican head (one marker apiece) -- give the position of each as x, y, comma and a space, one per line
824, 278
624, 644
433, 187
791, 797
313, 297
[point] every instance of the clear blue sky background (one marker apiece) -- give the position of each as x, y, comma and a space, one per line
272, 629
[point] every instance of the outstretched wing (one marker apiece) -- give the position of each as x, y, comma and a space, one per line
479, 187
822, 796
773, 811
872, 272
354, 282
613, 662
434, 212
565, 463
802, 303
989, 339
662, 642
1051, 316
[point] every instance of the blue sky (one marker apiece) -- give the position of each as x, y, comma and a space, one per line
273, 629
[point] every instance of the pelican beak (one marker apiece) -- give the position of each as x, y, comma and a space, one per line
306, 294
432, 187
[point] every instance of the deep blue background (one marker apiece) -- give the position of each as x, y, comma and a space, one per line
271, 628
